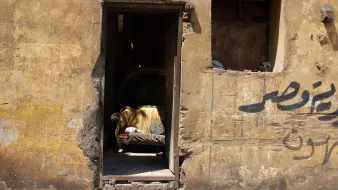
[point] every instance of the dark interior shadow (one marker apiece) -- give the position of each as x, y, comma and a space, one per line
124, 164
138, 60
143, 87
133, 73
96, 79
332, 34
97, 75
259, 18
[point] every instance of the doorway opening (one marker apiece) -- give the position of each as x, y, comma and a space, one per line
142, 79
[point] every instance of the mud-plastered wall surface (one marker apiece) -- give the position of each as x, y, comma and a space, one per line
263, 130
48, 52
237, 130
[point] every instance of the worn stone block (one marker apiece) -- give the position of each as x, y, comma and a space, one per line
48, 51
195, 108
252, 166
195, 170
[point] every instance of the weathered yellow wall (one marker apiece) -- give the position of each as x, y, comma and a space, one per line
49, 53
226, 148
48, 50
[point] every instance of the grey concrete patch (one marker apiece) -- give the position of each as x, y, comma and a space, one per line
88, 138
88, 135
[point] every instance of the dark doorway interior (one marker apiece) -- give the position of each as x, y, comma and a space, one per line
141, 47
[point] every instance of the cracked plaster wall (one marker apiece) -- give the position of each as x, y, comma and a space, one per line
225, 148
51, 89
48, 50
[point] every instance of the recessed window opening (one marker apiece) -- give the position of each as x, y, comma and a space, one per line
141, 49
245, 34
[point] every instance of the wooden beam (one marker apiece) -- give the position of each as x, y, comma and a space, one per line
135, 7
103, 62
177, 101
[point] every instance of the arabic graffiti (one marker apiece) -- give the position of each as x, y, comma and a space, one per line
310, 143
291, 92
273, 96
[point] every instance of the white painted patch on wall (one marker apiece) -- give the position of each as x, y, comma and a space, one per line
305, 70
74, 123
235, 116
249, 177
247, 94
8, 133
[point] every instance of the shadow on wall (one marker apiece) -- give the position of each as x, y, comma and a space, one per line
332, 34
195, 23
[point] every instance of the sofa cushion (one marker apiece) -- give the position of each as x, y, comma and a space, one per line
157, 127
144, 139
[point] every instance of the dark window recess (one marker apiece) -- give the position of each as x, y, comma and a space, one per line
245, 34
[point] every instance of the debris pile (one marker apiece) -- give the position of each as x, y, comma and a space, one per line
264, 67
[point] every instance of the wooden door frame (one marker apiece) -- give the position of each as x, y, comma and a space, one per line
176, 83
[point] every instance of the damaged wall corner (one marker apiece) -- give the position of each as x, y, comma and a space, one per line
51, 66
88, 139
88, 134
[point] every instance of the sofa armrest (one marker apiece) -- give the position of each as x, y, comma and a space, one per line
121, 122
119, 118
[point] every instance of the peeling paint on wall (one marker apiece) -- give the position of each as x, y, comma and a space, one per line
51, 81
8, 133
74, 123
